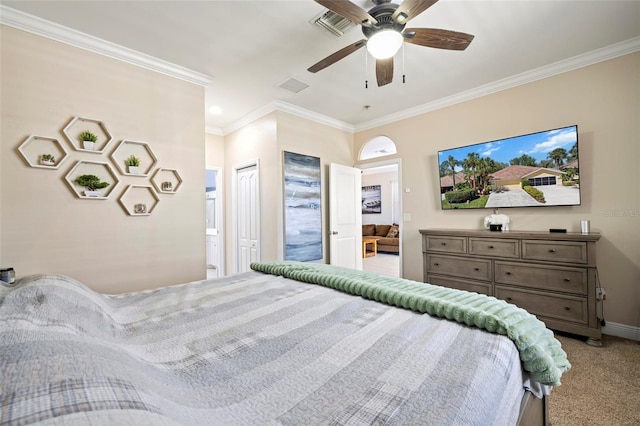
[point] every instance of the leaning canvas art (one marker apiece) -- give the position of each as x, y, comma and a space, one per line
302, 207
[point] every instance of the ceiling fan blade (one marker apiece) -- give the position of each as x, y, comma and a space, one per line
350, 11
335, 57
384, 71
409, 9
440, 39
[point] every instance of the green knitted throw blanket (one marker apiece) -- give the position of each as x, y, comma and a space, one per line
540, 352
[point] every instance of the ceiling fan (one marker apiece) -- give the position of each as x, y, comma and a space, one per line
384, 29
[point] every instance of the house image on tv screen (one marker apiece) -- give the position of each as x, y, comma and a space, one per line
512, 176
533, 170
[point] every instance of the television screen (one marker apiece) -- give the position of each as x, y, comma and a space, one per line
535, 170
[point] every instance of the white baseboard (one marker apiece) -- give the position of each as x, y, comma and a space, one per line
621, 330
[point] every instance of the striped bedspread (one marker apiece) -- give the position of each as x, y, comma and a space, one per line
249, 349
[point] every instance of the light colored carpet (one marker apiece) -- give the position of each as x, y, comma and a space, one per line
602, 387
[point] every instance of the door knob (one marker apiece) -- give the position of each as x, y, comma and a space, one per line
334, 232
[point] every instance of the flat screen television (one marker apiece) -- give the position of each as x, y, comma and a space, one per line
533, 170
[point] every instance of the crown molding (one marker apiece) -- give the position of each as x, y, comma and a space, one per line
32, 24
42, 27
214, 131
570, 64
289, 109
313, 116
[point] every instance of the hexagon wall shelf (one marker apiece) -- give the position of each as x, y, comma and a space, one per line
34, 147
166, 181
78, 124
142, 150
139, 200
101, 169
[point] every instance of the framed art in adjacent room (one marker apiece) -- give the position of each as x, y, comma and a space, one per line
302, 207
371, 199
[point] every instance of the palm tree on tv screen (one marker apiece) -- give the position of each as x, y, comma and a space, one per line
471, 163
452, 162
558, 155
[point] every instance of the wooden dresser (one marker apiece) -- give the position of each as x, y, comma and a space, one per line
551, 275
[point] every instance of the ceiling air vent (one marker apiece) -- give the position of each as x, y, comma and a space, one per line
293, 85
334, 23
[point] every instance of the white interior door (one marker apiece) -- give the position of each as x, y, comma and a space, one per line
247, 217
345, 216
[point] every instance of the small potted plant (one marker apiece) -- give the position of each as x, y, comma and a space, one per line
88, 139
133, 162
47, 160
167, 186
93, 185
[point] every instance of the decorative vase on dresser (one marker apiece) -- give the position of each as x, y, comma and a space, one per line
551, 275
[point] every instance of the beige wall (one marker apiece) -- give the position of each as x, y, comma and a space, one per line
47, 228
265, 140
604, 101
255, 142
310, 138
214, 150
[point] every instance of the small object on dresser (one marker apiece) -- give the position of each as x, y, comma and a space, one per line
8, 275
585, 226
495, 228
558, 230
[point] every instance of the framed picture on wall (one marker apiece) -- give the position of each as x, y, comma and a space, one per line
302, 207
371, 199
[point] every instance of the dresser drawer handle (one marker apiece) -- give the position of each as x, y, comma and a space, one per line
552, 250
566, 280
566, 308
476, 269
436, 264
509, 299
443, 243
490, 247
507, 273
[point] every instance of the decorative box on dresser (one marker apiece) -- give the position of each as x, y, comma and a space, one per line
551, 275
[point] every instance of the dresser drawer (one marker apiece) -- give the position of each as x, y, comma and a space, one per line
460, 284
445, 244
562, 307
494, 247
478, 269
565, 279
555, 251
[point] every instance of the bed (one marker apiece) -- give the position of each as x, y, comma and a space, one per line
285, 344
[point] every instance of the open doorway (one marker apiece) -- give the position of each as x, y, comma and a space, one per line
381, 213
214, 238
381, 208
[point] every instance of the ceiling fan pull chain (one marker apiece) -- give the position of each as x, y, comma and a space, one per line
366, 64
403, 75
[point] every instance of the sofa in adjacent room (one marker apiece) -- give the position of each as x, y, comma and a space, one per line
388, 236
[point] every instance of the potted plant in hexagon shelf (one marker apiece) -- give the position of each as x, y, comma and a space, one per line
133, 162
47, 160
93, 185
88, 139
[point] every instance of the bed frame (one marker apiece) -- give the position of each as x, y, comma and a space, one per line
534, 411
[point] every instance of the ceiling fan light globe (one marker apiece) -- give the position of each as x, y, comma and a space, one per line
384, 44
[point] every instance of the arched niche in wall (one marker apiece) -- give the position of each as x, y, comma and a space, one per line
378, 146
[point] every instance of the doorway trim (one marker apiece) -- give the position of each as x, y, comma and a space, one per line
220, 219
234, 209
398, 162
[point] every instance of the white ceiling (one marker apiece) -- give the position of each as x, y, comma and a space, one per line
250, 47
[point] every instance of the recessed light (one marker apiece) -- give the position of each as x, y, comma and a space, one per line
215, 110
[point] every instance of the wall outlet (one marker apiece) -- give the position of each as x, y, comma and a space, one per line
601, 294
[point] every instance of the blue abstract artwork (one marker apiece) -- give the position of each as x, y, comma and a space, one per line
302, 207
